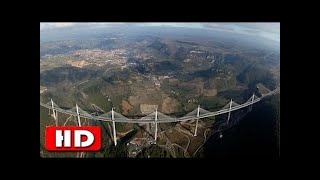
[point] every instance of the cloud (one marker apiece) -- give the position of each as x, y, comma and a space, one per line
217, 26
50, 26
265, 30
64, 25
267, 27
44, 26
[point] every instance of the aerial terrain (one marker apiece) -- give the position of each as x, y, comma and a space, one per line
136, 69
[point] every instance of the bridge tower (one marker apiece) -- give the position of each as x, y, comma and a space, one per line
229, 112
156, 130
114, 128
79, 122
55, 114
198, 114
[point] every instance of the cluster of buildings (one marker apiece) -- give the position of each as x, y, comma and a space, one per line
43, 89
192, 100
137, 144
174, 92
118, 56
157, 81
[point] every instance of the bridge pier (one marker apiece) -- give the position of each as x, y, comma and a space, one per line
54, 113
229, 112
198, 114
114, 128
79, 122
252, 99
156, 128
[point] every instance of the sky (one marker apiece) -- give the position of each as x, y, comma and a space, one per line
269, 31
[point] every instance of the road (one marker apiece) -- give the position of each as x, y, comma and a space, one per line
189, 141
205, 140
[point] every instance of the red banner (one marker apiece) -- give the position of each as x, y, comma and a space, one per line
73, 138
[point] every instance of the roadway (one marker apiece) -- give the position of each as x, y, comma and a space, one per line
159, 120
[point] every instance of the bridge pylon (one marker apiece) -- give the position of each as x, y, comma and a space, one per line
229, 114
198, 114
79, 122
156, 128
114, 128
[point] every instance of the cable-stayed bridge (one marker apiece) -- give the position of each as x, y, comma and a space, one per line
154, 117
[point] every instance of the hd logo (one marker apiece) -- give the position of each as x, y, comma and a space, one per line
73, 138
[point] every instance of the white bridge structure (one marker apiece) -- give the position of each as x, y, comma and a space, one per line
155, 117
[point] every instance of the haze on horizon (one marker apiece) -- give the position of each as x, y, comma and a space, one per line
268, 31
